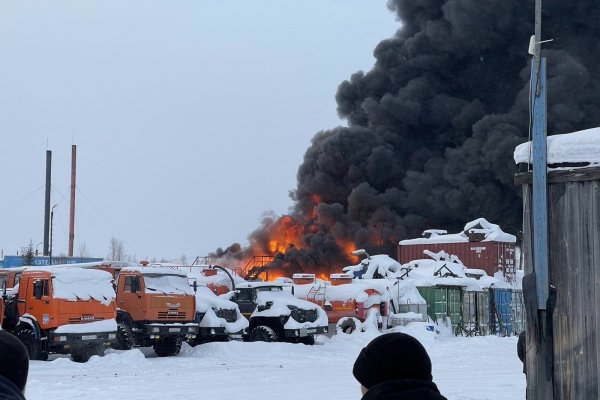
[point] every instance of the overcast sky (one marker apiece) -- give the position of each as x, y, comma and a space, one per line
190, 117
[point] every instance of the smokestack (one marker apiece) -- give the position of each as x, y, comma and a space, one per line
72, 209
47, 205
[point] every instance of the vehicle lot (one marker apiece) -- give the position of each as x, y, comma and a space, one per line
464, 368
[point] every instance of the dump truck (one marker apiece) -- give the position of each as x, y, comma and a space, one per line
274, 313
62, 310
155, 307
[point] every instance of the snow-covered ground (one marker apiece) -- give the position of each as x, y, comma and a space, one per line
482, 368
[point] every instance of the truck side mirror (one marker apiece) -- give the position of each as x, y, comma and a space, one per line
195, 285
38, 289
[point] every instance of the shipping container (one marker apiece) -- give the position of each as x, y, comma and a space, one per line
444, 302
490, 256
475, 312
501, 315
518, 311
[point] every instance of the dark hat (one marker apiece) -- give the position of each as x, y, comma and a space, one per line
14, 360
392, 356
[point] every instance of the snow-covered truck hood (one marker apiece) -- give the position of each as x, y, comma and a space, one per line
282, 303
209, 304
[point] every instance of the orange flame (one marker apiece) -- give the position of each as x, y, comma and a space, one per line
285, 233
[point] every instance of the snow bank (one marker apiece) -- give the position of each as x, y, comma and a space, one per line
576, 147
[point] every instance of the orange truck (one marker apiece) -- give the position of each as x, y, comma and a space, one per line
9, 277
350, 304
62, 310
155, 307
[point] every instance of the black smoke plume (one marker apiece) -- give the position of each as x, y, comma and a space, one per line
433, 126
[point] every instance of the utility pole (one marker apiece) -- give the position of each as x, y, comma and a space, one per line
540, 354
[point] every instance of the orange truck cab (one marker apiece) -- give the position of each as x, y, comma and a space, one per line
9, 277
156, 307
63, 310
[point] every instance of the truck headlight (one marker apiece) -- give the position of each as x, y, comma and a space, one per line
61, 338
112, 336
156, 329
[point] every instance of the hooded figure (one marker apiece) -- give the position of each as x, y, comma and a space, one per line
14, 367
395, 366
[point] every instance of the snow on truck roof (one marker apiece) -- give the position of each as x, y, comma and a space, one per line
73, 283
575, 147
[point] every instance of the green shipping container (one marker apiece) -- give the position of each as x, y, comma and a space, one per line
443, 302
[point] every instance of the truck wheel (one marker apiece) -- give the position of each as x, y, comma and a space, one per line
32, 344
348, 325
83, 354
167, 347
125, 339
308, 340
263, 334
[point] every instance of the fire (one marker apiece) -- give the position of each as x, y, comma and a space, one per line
285, 233
323, 277
348, 247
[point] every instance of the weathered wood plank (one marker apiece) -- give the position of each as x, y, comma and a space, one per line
575, 175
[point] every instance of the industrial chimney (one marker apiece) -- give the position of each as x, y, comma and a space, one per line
47, 206
72, 208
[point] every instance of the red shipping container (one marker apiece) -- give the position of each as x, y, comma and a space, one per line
488, 255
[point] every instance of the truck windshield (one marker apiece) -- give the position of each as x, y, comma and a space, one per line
169, 284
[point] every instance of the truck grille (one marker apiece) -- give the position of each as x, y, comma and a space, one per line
227, 315
83, 319
171, 314
301, 315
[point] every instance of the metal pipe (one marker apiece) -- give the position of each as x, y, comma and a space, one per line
47, 203
72, 207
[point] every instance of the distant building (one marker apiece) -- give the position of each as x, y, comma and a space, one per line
17, 261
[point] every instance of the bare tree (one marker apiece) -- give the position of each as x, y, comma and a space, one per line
116, 250
82, 250
183, 260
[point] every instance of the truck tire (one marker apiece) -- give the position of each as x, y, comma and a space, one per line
308, 340
32, 344
348, 325
263, 333
83, 354
125, 339
167, 347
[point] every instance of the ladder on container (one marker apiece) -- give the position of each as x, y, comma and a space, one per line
317, 293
